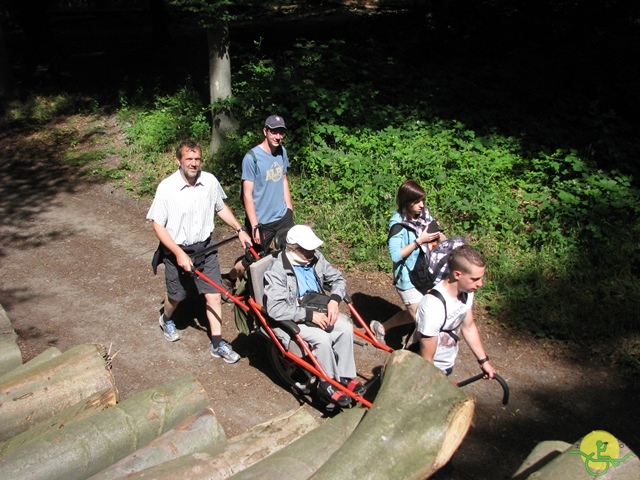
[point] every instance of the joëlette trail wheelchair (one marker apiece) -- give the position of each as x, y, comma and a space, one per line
289, 355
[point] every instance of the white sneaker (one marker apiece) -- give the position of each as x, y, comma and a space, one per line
225, 352
378, 329
169, 329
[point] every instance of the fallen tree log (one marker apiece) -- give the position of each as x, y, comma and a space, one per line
35, 362
554, 460
195, 434
55, 385
10, 355
223, 460
415, 424
61, 420
542, 454
90, 445
301, 458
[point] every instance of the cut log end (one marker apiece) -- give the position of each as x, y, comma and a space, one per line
458, 427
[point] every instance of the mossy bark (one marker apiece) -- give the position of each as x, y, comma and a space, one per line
49, 354
10, 355
62, 420
554, 460
198, 432
416, 423
301, 458
90, 445
53, 386
240, 452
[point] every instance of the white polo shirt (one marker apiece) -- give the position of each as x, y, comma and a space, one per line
187, 212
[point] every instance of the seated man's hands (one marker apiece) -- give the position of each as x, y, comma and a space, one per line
321, 320
332, 312
329, 319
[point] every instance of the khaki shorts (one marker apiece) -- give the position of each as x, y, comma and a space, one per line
410, 297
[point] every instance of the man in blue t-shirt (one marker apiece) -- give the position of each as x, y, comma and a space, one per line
265, 190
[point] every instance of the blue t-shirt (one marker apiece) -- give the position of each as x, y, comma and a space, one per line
307, 281
267, 174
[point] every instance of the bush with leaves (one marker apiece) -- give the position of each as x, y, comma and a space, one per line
558, 232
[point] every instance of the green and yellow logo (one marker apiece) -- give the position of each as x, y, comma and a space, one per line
601, 450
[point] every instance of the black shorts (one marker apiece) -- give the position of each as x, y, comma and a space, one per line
270, 229
178, 280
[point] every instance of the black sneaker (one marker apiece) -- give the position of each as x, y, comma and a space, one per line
330, 394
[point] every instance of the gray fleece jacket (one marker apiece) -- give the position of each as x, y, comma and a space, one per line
281, 287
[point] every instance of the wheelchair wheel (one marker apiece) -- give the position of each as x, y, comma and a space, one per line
290, 372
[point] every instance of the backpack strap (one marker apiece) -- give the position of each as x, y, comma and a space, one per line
255, 172
255, 161
439, 296
394, 230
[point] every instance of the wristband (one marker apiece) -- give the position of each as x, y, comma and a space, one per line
483, 360
239, 230
417, 244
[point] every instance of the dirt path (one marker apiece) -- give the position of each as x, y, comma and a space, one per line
75, 269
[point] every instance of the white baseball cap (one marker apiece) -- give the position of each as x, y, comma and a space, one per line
303, 236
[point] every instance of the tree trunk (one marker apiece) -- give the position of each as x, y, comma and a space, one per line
223, 460
197, 433
53, 386
80, 411
416, 423
88, 446
49, 354
299, 460
553, 460
224, 122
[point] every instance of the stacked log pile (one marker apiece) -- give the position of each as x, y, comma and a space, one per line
557, 460
61, 418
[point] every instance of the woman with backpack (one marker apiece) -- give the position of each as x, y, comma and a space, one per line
411, 228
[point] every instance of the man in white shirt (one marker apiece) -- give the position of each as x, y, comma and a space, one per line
445, 313
182, 213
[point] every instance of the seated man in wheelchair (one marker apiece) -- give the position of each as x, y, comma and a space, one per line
294, 291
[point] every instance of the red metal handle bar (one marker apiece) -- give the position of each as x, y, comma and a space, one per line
369, 336
237, 300
315, 368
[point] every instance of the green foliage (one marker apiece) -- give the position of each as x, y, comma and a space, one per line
559, 231
37, 110
81, 159
208, 13
172, 119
